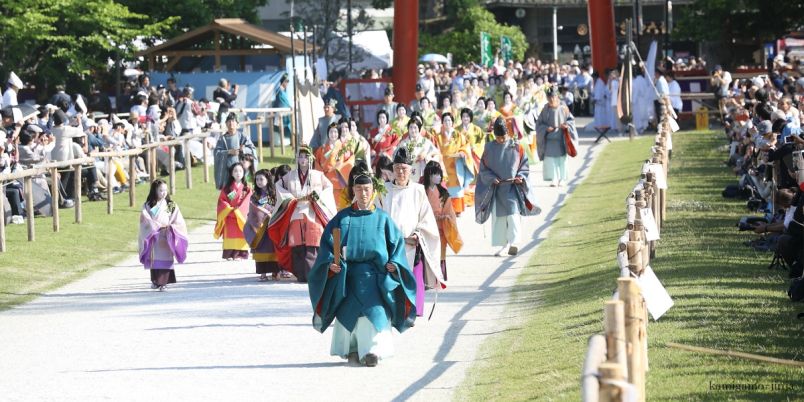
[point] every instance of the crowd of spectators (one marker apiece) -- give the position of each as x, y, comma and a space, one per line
763, 123
73, 126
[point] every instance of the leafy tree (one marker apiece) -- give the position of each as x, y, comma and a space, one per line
325, 15
731, 22
47, 42
464, 40
195, 13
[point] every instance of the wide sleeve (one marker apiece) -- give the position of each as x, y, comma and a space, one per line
487, 176
429, 241
223, 210
327, 289
247, 146
400, 286
177, 235
149, 228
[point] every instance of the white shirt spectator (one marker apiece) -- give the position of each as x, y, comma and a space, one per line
675, 95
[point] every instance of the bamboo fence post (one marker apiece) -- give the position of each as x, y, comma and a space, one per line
109, 192
2, 224
171, 170
188, 165
281, 135
206, 164
271, 138
615, 332
54, 197
595, 356
152, 163
610, 372
629, 294
77, 173
132, 179
29, 210
259, 141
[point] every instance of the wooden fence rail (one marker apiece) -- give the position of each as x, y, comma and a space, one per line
111, 159
621, 373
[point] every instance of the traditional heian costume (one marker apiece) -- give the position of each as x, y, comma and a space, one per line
233, 203
305, 205
552, 146
162, 240
444, 214
224, 160
364, 299
261, 208
498, 193
456, 152
420, 149
335, 160
409, 207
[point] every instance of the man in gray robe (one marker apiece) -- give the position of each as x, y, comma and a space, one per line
551, 145
500, 189
231, 146
320, 136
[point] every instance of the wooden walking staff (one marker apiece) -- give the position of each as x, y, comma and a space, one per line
336, 245
634, 333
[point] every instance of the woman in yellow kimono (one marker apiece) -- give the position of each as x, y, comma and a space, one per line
399, 127
507, 111
477, 141
335, 161
481, 115
446, 106
431, 122
443, 212
233, 204
492, 115
456, 152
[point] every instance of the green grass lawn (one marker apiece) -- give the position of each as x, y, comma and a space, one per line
725, 298
28, 269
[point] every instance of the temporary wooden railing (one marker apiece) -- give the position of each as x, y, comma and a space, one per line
616, 362
269, 115
77, 165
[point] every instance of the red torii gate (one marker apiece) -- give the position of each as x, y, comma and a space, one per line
406, 43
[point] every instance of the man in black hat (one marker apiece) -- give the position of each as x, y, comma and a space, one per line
415, 105
320, 135
503, 172
388, 105
407, 204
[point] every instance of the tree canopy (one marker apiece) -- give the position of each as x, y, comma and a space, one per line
741, 22
463, 41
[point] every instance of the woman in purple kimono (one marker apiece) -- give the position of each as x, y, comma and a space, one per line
163, 236
261, 207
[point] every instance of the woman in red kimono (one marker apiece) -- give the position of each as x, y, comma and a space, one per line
233, 205
383, 139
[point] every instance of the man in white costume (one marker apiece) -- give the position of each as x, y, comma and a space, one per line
407, 204
420, 149
641, 102
10, 96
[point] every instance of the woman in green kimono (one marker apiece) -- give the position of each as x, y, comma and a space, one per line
371, 288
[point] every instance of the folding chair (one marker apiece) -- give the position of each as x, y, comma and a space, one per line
602, 131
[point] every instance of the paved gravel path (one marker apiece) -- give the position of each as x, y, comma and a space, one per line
219, 334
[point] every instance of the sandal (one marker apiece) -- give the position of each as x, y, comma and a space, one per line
275, 276
286, 274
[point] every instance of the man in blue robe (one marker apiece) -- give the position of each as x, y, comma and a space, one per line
371, 288
282, 100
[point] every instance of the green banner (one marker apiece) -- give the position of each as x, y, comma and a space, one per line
486, 54
506, 48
